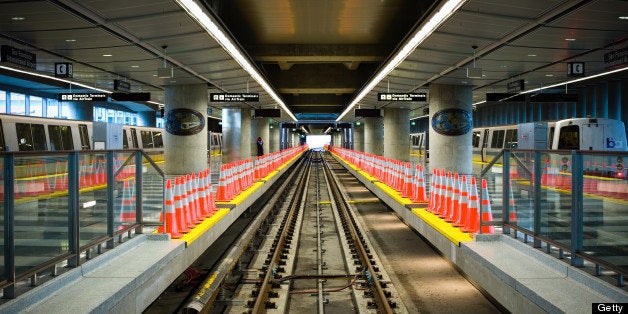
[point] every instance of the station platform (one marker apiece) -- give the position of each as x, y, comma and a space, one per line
521, 278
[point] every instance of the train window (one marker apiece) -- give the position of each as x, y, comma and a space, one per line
30, 137
498, 139
158, 140
134, 138
84, 137
60, 137
125, 140
476, 139
550, 143
511, 138
2, 145
569, 137
147, 139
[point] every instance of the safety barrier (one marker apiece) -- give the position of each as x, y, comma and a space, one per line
187, 202
453, 197
237, 176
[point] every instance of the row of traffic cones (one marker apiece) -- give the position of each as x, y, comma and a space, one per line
397, 174
238, 176
453, 197
187, 202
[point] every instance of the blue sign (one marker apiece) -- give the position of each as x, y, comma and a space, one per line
184, 121
452, 122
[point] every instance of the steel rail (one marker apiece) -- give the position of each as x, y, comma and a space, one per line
379, 294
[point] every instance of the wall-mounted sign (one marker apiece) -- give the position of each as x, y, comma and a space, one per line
267, 113
63, 69
451, 122
516, 86
616, 58
82, 97
367, 113
130, 96
402, 97
184, 121
575, 69
17, 56
122, 86
234, 97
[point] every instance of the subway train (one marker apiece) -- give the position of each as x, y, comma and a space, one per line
595, 134
24, 133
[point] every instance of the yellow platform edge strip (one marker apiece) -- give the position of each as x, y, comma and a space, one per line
446, 229
201, 228
452, 233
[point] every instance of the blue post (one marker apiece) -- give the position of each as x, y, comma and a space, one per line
138, 191
577, 211
506, 190
9, 235
110, 200
537, 197
73, 209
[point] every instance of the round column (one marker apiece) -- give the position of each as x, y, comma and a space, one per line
236, 134
185, 139
358, 137
450, 128
273, 138
397, 133
374, 136
259, 128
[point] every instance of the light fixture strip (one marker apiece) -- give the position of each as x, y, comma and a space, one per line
573, 81
55, 78
195, 11
426, 30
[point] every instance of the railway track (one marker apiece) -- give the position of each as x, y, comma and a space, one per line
304, 251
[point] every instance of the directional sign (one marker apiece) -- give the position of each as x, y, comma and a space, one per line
18, 56
83, 97
575, 69
402, 97
63, 69
122, 86
234, 97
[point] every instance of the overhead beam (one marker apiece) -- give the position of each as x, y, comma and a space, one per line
329, 78
318, 53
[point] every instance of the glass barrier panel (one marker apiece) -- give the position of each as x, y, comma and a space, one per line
152, 194
92, 197
124, 190
41, 209
605, 208
555, 207
521, 198
2, 266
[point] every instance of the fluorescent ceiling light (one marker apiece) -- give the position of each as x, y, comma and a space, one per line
421, 34
55, 78
574, 81
195, 11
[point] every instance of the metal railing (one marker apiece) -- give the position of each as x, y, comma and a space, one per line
572, 203
59, 208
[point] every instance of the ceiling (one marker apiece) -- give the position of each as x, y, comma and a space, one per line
316, 55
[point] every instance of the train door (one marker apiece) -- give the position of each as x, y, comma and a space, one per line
3, 146
484, 145
134, 138
84, 137
591, 135
569, 137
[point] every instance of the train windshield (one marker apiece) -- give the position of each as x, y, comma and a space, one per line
569, 137
147, 139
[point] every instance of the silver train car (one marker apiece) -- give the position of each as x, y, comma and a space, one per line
24, 133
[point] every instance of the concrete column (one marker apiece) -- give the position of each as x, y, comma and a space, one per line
259, 128
358, 137
273, 139
185, 144
397, 133
450, 113
374, 136
236, 134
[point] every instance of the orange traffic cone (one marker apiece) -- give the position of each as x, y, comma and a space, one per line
446, 197
419, 194
200, 189
127, 208
461, 216
221, 193
433, 191
472, 222
512, 216
454, 206
487, 215
179, 209
408, 184
169, 213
